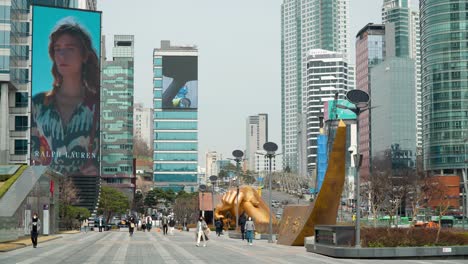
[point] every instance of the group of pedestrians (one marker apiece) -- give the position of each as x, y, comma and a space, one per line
202, 230
168, 223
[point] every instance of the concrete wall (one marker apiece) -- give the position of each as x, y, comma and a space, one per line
29, 194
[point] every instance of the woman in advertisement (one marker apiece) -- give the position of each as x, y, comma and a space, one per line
65, 120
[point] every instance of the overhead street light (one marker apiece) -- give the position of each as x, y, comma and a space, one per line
202, 188
238, 154
270, 148
361, 101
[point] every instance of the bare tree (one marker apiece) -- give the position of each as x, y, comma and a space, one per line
377, 188
186, 206
68, 193
141, 149
143, 185
437, 194
417, 194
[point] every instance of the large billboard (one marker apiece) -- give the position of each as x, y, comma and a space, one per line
65, 90
180, 82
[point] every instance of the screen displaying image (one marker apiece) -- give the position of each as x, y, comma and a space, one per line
180, 82
65, 90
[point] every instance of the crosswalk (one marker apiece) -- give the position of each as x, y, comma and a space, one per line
119, 247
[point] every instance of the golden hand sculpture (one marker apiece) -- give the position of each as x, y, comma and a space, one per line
250, 203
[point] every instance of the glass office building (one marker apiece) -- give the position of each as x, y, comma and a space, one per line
117, 117
370, 51
175, 97
398, 13
444, 33
393, 122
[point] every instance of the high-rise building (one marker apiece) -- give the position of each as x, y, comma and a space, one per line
393, 121
305, 25
212, 159
370, 51
405, 23
398, 13
327, 74
175, 116
117, 168
256, 136
444, 55
15, 71
262, 164
143, 124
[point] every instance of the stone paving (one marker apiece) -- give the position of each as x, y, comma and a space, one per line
119, 247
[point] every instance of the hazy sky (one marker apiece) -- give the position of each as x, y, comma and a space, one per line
239, 67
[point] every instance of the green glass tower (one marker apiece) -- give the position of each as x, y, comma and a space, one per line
444, 49
398, 13
117, 117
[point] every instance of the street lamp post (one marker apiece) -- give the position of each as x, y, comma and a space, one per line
270, 148
213, 180
202, 188
238, 154
361, 101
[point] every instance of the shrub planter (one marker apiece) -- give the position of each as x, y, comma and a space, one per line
391, 243
388, 252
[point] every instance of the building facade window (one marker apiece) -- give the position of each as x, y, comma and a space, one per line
21, 99
21, 147
21, 123
157, 61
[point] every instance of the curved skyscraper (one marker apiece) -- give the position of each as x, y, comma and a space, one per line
444, 34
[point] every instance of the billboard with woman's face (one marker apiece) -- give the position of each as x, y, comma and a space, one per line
65, 90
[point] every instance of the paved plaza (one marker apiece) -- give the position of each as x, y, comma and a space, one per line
118, 247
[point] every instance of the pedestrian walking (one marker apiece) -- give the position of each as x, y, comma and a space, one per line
164, 224
250, 228
34, 228
242, 220
219, 226
202, 231
143, 226
149, 223
184, 224
171, 226
84, 225
131, 225
100, 223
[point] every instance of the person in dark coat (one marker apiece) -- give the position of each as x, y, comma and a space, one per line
242, 220
34, 228
164, 222
131, 225
219, 226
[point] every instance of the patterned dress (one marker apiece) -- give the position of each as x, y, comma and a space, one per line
69, 148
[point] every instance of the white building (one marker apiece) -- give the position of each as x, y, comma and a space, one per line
262, 164
327, 77
143, 124
415, 53
256, 136
305, 25
211, 163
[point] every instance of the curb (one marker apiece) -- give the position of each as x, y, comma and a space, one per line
17, 245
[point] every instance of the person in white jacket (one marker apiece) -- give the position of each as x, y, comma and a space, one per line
202, 230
